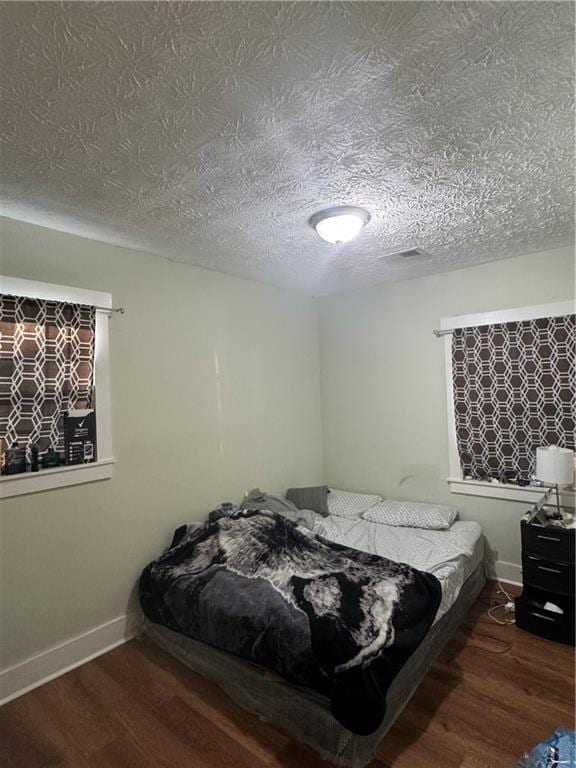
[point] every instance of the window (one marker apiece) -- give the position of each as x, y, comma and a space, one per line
53, 356
510, 388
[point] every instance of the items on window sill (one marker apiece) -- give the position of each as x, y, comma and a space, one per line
79, 443
506, 478
494, 475
80, 436
51, 459
34, 454
13, 460
19, 461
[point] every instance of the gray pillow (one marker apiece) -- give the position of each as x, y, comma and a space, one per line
315, 498
350, 504
412, 514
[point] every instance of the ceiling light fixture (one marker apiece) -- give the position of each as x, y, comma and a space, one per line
340, 224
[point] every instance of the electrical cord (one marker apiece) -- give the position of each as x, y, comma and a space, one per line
508, 607
503, 622
474, 632
503, 591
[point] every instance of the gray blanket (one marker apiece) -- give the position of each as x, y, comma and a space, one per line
322, 615
258, 499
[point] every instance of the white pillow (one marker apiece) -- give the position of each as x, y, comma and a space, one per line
350, 504
412, 514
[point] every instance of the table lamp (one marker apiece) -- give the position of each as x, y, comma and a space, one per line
555, 467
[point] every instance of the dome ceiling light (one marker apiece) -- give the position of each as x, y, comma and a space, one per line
340, 224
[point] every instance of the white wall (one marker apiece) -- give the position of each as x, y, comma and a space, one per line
383, 383
71, 557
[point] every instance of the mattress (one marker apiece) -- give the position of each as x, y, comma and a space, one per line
304, 714
450, 555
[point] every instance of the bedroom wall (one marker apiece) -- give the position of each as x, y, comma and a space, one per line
71, 556
383, 383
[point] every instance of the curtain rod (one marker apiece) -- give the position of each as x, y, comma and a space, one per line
438, 333
120, 310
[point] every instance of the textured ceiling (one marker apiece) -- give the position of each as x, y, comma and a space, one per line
210, 132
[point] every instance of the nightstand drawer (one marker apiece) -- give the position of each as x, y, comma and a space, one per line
548, 575
531, 616
548, 542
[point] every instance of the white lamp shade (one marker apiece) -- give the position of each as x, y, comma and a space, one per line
555, 465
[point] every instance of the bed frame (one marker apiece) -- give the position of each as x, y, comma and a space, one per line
301, 713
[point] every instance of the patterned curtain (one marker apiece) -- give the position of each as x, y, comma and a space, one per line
46, 367
514, 390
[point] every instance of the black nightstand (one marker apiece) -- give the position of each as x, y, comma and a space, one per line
548, 577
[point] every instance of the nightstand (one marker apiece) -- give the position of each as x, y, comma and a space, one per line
548, 578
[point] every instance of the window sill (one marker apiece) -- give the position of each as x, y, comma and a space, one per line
530, 494
59, 477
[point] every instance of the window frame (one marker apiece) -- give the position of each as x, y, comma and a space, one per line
491, 489
76, 474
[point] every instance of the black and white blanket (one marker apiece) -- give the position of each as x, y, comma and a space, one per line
322, 615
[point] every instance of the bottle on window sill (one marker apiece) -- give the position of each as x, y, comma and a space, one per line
51, 458
34, 464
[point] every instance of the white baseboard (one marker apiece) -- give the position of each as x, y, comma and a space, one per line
54, 662
511, 573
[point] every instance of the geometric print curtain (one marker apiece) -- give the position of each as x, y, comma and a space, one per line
514, 390
46, 367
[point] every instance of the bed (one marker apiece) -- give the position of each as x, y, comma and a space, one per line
451, 555
455, 557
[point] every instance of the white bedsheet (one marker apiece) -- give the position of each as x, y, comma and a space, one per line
450, 555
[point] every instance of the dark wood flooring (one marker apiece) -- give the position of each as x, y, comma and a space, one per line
495, 692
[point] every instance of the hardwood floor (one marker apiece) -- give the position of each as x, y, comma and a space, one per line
495, 692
